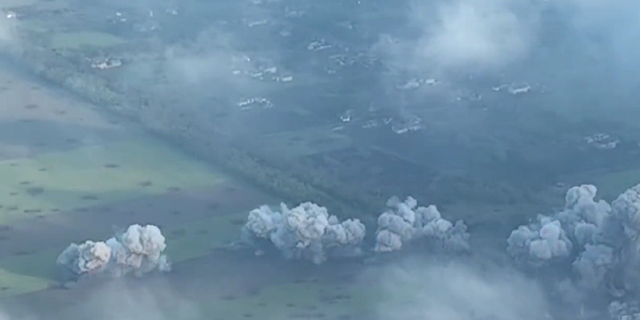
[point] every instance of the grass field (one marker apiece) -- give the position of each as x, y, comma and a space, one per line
292, 145
52, 183
611, 185
12, 284
91, 175
37, 271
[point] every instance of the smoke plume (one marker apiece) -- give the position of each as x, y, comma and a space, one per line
599, 241
462, 36
88, 257
138, 250
304, 232
539, 242
405, 222
552, 237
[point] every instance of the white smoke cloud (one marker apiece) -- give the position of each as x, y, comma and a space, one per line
624, 310
463, 35
539, 242
88, 257
600, 243
304, 232
552, 237
138, 250
422, 289
531, 38
473, 33
405, 222
213, 56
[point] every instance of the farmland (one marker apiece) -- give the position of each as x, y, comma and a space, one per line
70, 174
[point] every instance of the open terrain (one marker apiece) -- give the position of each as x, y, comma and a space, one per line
224, 285
69, 173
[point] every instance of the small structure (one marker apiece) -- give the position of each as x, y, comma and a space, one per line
106, 63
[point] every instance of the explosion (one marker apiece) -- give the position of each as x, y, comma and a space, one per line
598, 240
405, 222
138, 250
304, 232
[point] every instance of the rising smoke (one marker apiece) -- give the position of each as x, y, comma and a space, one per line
304, 232
309, 232
405, 222
552, 237
599, 241
88, 257
138, 250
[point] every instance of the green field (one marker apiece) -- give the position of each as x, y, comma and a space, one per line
302, 298
292, 145
12, 284
56, 182
611, 185
37, 271
93, 175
